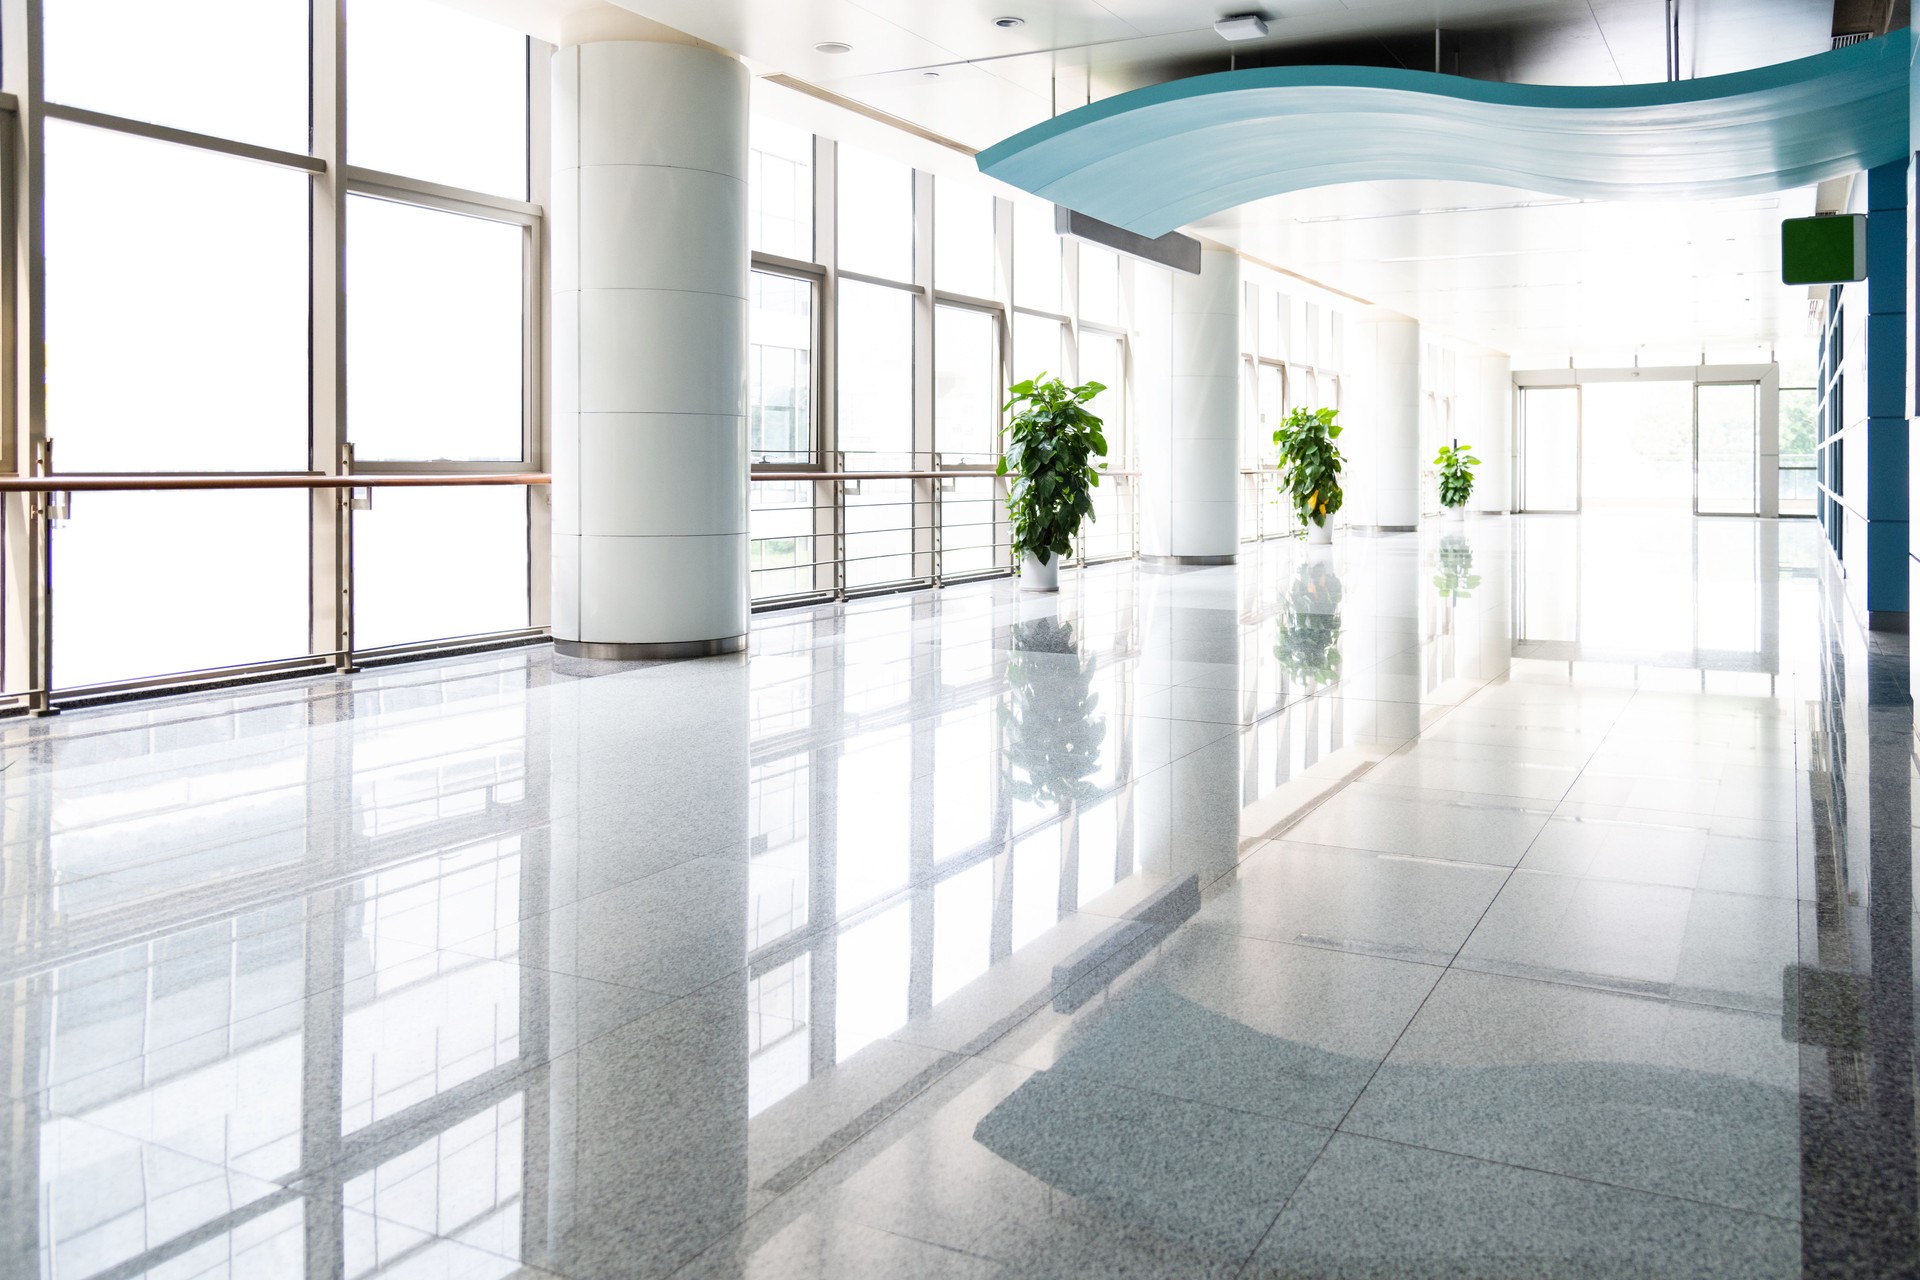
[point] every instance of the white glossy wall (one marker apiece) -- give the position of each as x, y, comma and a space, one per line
1190, 451
649, 279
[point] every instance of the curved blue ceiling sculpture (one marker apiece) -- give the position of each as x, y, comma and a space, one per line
1161, 157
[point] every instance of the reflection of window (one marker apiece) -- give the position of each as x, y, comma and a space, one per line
876, 215
876, 371
962, 929
780, 190
779, 368
962, 239
966, 384
230, 68
176, 307
434, 334
437, 94
872, 968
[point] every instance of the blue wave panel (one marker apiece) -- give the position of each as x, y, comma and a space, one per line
1158, 158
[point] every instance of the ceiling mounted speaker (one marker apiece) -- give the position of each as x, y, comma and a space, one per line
1241, 26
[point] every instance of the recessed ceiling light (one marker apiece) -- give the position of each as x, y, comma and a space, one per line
1009, 22
1241, 26
929, 75
833, 46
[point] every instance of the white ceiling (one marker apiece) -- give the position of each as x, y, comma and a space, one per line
1549, 277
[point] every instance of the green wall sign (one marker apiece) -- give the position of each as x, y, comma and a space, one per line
1825, 250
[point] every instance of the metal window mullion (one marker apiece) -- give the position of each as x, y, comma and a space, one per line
830, 573
924, 525
433, 195
536, 430
185, 138
331, 547
27, 658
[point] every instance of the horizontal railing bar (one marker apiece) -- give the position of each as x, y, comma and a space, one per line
291, 480
790, 476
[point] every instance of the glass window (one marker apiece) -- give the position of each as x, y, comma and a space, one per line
1276, 318
1039, 346
1036, 257
779, 368
962, 929
1099, 285
780, 189
231, 68
158, 583
876, 215
963, 258
177, 286
434, 334
966, 376
876, 374
431, 563
437, 94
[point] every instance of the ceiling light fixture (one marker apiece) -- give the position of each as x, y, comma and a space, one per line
929, 75
833, 46
1241, 26
1009, 23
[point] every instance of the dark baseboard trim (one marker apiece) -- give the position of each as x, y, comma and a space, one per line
652, 652
1196, 562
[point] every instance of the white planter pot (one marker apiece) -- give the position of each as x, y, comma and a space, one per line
1035, 576
1456, 515
1319, 535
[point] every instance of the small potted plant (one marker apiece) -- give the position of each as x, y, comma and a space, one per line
1050, 447
1456, 465
1310, 468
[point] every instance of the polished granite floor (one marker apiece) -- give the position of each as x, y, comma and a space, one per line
1528, 897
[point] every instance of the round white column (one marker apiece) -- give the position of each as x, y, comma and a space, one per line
649, 281
1387, 451
1195, 495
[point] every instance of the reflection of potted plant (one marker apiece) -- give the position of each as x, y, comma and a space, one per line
1456, 579
1310, 626
1456, 465
1310, 468
1053, 737
1050, 447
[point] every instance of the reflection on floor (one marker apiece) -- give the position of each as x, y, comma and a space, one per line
1524, 897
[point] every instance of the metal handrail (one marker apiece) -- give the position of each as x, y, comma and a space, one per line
981, 473
78, 483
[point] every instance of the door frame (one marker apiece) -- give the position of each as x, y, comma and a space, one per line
1766, 376
1524, 505
1755, 478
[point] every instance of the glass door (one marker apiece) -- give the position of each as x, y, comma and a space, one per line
1550, 448
1726, 448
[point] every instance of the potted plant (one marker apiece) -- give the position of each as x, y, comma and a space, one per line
1310, 468
1456, 465
1050, 446
1310, 626
1053, 736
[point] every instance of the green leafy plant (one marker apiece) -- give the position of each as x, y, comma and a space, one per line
1050, 446
1310, 464
1456, 579
1053, 736
1456, 473
1310, 626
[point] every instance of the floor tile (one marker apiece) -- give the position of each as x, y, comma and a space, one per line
1662, 1097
